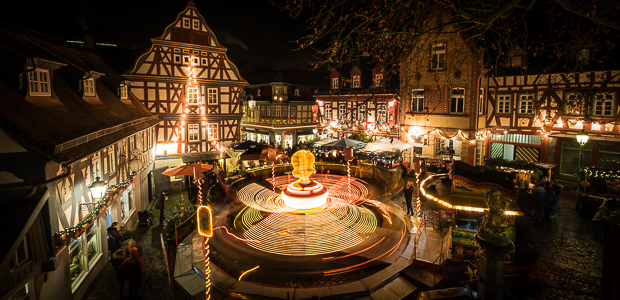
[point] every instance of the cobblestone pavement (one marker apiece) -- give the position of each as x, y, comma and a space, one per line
155, 284
559, 258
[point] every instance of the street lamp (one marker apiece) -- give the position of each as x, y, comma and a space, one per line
582, 139
97, 188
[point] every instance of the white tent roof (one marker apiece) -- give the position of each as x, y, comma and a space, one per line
383, 144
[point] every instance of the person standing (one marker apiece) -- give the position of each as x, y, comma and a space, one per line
538, 194
132, 267
549, 199
409, 197
117, 259
557, 188
114, 238
161, 205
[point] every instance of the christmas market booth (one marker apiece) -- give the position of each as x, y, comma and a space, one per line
598, 186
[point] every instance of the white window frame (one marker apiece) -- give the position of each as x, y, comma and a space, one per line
335, 83
278, 113
177, 59
213, 131
196, 25
39, 82
89, 87
356, 81
378, 80
212, 96
193, 132
112, 159
124, 93
481, 102
503, 103
196, 61
342, 111
293, 111
193, 95
186, 23
204, 61
381, 114
186, 59
526, 105
361, 113
458, 98
606, 102
417, 100
328, 112
439, 56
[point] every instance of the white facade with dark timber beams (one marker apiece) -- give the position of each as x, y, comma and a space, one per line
187, 80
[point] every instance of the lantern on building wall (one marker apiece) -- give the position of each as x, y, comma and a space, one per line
97, 188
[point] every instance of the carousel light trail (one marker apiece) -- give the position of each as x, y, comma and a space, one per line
243, 240
248, 271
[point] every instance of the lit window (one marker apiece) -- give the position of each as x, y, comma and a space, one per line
328, 112
193, 131
297, 92
438, 53
212, 131
356, 81
481, 102
196, 24
124, 92
526, 104
361, 113
212, 96
334, 83
378, 80
89, 87
39, 82
342, 111
417, 100
21, 255
604, 104
185, 23
293, 111
457, 101
192, 95
381, 114
503, 104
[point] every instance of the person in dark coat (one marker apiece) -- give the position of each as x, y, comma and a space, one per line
549, 199
132, 267
117, 259
161, 206
557, 188
409, 197
114, 238
538, 194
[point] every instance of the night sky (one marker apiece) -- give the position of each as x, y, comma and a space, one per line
249, 29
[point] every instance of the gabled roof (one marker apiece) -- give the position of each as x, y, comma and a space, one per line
69, 117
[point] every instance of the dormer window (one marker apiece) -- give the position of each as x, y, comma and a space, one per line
297, 92
583, 55
89, 87
185, 22
257, 92
334, 83
124, 92
356, 81
39, 82
378, 80
196, 25
516, 61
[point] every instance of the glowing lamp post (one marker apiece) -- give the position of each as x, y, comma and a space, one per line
582, 139
97, 188
205, 228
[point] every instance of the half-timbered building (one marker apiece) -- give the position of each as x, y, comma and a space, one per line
357, 102
280, 109
187, 80
66, 121
535, 118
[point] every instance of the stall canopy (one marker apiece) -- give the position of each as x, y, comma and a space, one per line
187, 169
249, 147
386, 144
340, 144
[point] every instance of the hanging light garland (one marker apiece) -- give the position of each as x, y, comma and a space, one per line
596, 173
100, 204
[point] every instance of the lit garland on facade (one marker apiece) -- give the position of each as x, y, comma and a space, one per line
609, 174
100, 204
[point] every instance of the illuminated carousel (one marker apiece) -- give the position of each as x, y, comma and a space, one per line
307, 224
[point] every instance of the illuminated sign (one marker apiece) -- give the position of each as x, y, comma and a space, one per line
205, 221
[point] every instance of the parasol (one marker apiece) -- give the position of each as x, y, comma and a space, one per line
187, 169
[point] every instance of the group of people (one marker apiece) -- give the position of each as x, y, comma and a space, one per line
545, 196
127, 259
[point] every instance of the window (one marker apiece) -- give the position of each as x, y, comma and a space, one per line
204, 61
185, 23
212, 132
262, 110
127, 203
481, 102
93, 244
185, 51
328, 112
212, 96
438, 53
342, 112
278, 111
381, 114
89, 87
177, 50
124, 92
269, 111
378, 80
583, 55
296, 92
258, 93
334, 83
186, 59
21, 254
361, 113
23, 293
284, 111
196, 61
177, 59
417, 101
192, 95
609, 157
196, 24
604, 105
569, 162
39, 82
293, 111
503, 104
457, 101
574, 104
193, 131
111, 159
526, 104
356, 81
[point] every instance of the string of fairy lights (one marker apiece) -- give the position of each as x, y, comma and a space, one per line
605, 174
100, 204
